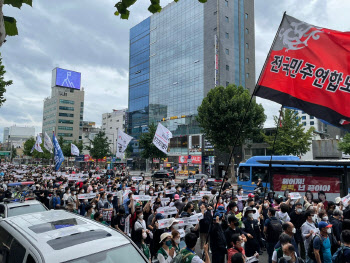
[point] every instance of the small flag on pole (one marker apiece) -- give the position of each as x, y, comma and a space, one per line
48, 143
74, 149
37, 144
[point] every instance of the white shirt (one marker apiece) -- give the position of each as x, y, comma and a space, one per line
283, 216
161, 258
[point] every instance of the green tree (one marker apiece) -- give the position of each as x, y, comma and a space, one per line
99, 146
28, 145
66, 147
13, 153
291, 138
149, 150
123, 7
221, 113
344, 145
3, 83
128, 151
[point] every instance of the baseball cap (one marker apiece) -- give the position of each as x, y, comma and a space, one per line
323, 224
250, 195
172, 221
176, 197
337, 200
159, 216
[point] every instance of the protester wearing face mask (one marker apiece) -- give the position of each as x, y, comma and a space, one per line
336, 224
139, 238
308, 230
237, 246
251, 227
233, 228
297, 217
322, 243
289, 255
166, 253
99, 218
289, 229
272, 231
204, 224
176, 240
218, 240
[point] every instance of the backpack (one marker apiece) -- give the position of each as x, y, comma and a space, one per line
274, 230
279, 252
185, 256
339, 254
310, 250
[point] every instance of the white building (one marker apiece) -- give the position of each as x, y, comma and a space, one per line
16, 135
89, 133
111, 122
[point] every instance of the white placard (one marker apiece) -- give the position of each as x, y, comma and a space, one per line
136, 178
202, 193
141, 197
191, 181
161, 138
87, 196
295, 195
345, 200
170, 191
181, 232
165, 199
164, 223
242, 197
196, 198
211, 179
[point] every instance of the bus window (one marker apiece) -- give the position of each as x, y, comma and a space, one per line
244, 174
259, 172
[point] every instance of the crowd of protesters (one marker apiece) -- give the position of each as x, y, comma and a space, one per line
235, 226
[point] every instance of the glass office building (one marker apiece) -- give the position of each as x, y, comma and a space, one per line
179, 54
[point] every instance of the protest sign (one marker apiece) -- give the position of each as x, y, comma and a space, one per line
345, 200
242, 197
191, 181
161, 138
87, 196
211, 179
295, 196
136, 178
170, 191
202, 193
141, 197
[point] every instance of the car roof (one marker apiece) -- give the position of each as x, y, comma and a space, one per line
25, 203
34, 228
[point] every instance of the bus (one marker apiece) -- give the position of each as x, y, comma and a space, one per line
292, 174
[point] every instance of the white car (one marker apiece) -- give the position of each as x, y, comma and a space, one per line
59, 236
10, 208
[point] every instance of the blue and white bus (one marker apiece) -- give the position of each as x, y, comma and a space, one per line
292, 174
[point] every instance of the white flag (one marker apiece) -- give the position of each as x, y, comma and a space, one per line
74, 150
37, 144
48, 143
122, 142
162, 138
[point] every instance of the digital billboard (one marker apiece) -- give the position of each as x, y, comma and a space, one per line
67, 78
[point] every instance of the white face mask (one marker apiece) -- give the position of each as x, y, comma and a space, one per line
266, 205
292, 203
242, 244
176, 227
151, 192
287, 257
141, 216
250, 215
177, 241
314, 218
144, 235
299, 210
325, 218
93, 206
294, 231
329, 230
235, 209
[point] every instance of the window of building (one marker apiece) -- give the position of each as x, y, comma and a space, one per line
247, 60
227, 83
247, 75
227, 35
246, 16
227, 19
312, 123
304, 123
226, 2
247, 31
65, 128
117, 120
66, 108
65, 134
67, 101
61, 114
65, 121
81, 104
303, 117
227, 51
215, 12
246, 46
227, 67
312, 117
215, 29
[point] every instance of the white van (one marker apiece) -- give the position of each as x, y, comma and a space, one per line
59, 236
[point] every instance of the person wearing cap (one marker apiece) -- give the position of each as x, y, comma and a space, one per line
233, 228
251, 227
166, 252
251, 204
336, 224
173, 223
156, 234
322, 243
217, 238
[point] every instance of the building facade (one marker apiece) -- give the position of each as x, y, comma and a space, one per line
178, 55
111, 123
63, 111
16, 136
89, 131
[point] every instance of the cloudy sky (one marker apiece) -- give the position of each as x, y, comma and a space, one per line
85, 36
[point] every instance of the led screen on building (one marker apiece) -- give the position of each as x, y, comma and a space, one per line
67, 78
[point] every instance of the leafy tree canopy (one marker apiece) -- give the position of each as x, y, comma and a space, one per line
28, 145
3, 83
221, 113
292, 138
99, 146
155, 7
149, 150
344, 145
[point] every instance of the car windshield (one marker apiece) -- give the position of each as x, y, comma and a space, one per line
25, 209
125, 253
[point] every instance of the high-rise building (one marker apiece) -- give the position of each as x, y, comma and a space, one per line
64, 110
16, 136
111, 123
179, 54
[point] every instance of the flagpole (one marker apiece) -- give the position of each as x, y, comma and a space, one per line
241, 123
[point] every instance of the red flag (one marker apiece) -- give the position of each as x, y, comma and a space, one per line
308, 69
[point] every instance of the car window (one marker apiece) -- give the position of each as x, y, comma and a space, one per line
244, 174
126, 253
17, 252
5, 242
30, 259
25, 209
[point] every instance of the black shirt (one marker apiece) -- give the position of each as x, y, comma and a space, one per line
229, 232
297, 219
119, 220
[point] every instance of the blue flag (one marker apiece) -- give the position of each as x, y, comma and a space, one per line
59, 158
